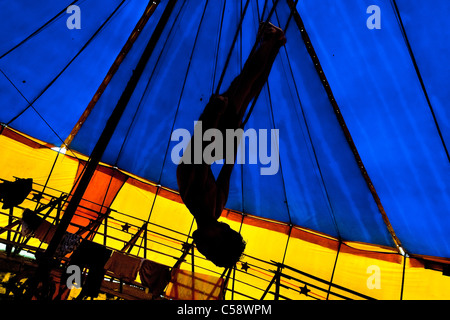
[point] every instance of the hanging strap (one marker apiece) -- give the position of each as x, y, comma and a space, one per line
236, 36
231, 48
257, 95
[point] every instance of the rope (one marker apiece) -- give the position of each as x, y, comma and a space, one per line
45, 25
183, 87
281, 168
30, 104
148, 84
419, 76
39, 115
140, 105
218, 46
264, 8
254, 48
235, 38
322, 179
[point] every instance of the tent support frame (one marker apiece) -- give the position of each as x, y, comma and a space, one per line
97, 153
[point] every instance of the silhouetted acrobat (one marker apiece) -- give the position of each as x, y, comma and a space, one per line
203, 195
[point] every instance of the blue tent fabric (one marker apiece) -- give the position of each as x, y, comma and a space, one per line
319, 185
38, 62
375, 83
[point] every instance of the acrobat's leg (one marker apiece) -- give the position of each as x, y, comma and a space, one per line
254, 73
196, 182
241, 91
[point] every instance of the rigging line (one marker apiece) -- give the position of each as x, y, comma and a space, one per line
148, 84
278, 152
96, 154
316, 159
272, 10
231, 48
39, 115
190, 230
48, 179
183, 87
243, 124
257, 10
419, 75
114, 170
403, 276
93, 162
334, 269
274, 126
296, 90
257, 95
264, 9
341, 121
218, 47
240, 41
287, 243
70, 62
119, 222
158, 188
127, 47
39, 29
242, 165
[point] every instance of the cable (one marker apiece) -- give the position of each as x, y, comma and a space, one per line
183, 87
218, 47
67, 66
145, 92
419, 76
231, 48
274, 5
316, 160
39, 115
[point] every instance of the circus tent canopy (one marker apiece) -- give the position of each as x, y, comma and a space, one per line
361, 113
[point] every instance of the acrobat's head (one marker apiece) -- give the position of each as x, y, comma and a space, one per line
219, 244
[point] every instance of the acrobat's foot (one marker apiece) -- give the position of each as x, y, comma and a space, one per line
269, 32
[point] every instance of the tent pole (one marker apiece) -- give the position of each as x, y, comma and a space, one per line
298, 20
97, 153
151, 7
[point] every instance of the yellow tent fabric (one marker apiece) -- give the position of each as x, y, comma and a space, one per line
310, 260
